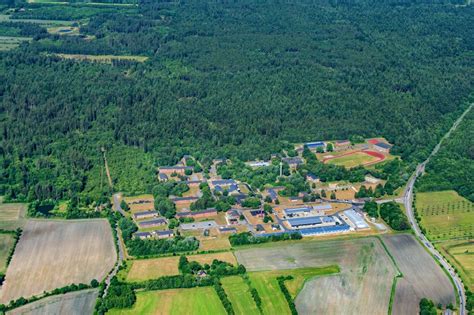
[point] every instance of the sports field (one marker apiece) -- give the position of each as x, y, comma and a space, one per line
355, 158
145, 269
362, 287
53, 254
6, 244
461, 255
239, 295
445, 215
198, 301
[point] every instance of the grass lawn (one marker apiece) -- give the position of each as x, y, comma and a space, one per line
214, 243
12, 215
179, 301
273, 301
352, 160
6, 243
445, 215
239, 295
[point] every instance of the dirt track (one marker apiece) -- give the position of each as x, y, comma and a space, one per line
53, 254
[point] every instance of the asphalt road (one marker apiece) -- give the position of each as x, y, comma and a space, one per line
408, 200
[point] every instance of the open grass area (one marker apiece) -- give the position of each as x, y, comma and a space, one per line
101, 58
12, 215
85, 3
10, 42
6, 244
352, 160
145, 269
239, 295
445, 215
215, 243
197, 301
44, 23
461, 255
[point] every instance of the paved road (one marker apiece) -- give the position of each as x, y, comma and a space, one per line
407, 201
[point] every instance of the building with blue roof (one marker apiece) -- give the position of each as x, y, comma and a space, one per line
315, 145
325, 230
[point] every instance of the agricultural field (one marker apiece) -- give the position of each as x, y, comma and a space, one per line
363, 285
73, 303
44, 23
6, 244
461, 255
239, 295
53, 254
145, 269
273, 301
420, 272
64, 30
101, 58
10, 42
12, 215
178, 301
445, 215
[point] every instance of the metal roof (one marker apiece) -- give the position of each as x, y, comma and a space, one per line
289, 211
356, 218
383, 145
305, 221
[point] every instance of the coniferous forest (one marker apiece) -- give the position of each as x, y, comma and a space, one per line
240, 79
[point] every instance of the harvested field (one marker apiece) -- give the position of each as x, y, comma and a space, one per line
74, 303
420, 273
145, 269
53, 254
178, 301
12, 215
362, 287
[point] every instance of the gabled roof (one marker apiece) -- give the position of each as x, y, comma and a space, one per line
383, 145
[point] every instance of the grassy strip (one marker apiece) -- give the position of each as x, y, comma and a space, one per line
392, 293
224, 298
12, 250
281, 282
255, 296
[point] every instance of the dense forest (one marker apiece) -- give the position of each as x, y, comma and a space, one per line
242, 80
453, 166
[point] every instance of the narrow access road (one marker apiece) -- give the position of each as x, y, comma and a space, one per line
408, 200
116, 207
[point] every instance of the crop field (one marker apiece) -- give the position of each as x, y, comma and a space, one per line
445, 215
177, 301
101, 58
73, 303
10, 42
12, 215
6, 244
355, 158
53, 254
63, 30
420, 272
363, 285
461, 255
239, 295
44, 23
273, 301
145, 269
